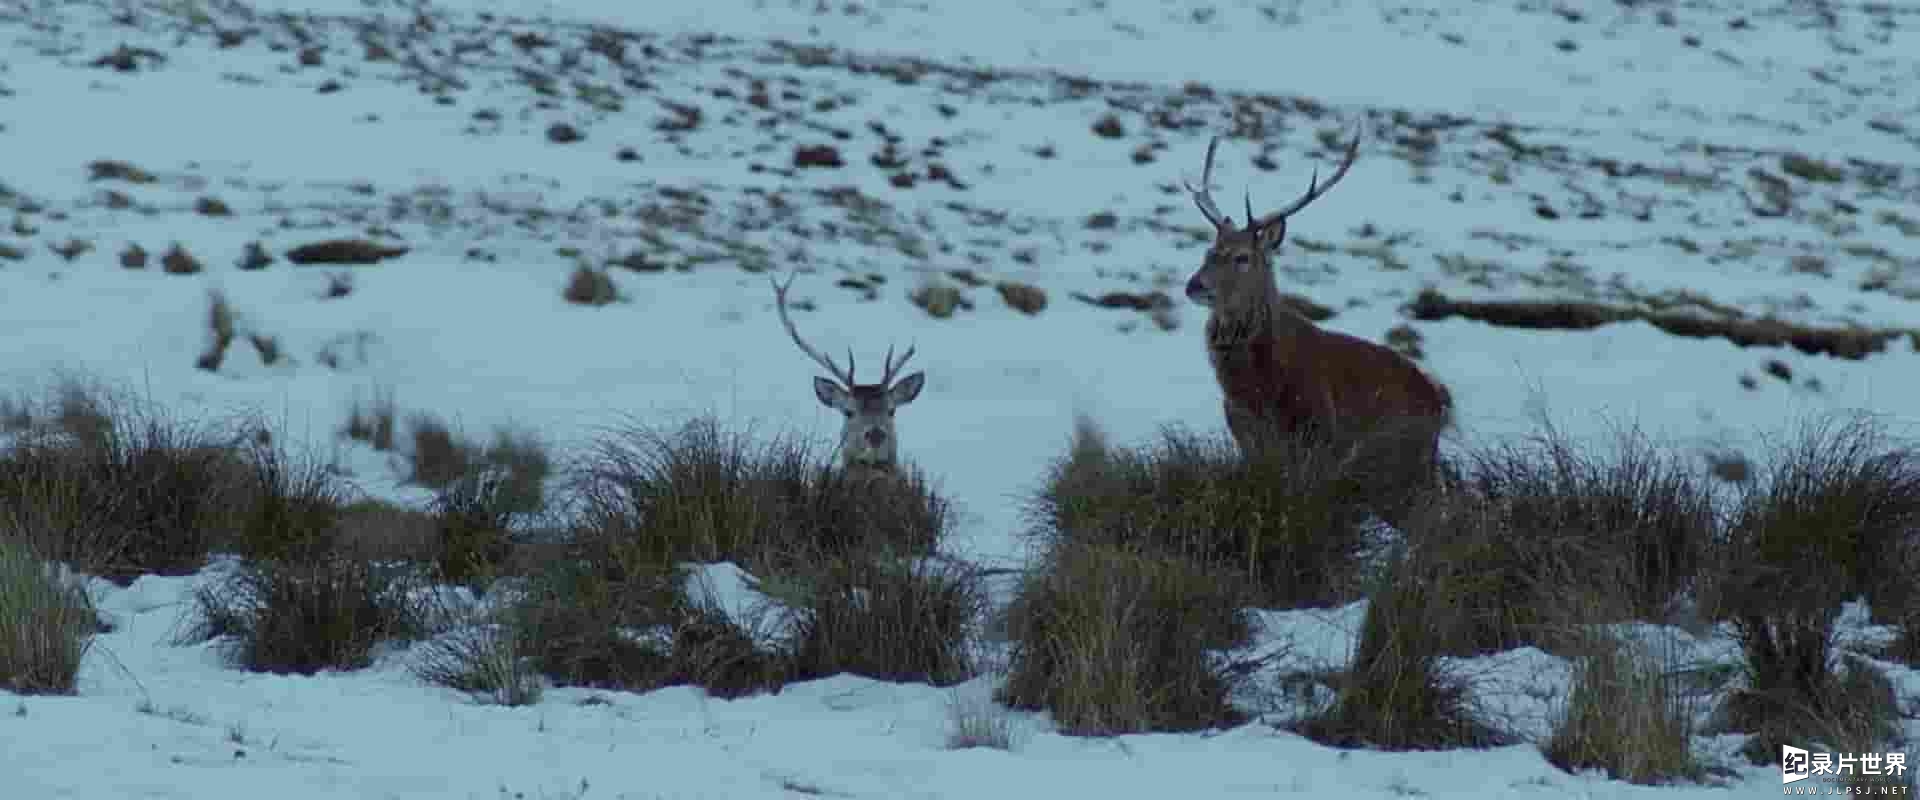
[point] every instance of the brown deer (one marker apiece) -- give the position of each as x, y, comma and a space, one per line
867, 446
1281, 375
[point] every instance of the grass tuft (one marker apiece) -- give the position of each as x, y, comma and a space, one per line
47, 623
1114, 640
1291, 519
1627, 715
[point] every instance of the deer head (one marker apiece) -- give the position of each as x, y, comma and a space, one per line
1238, 267
867, 442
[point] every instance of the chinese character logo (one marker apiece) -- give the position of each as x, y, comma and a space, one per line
1793, 764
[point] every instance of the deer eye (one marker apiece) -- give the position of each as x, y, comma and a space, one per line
847, 414
1241, 260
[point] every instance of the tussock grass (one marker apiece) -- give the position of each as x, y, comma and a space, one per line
584, 627
302, 601
374, 423
702, 493
1289, 519
327, 609
518, 460
842, 551
1114, 640
1396, 693
482, 655
117, 488
885, 619
473, 522
1491, 584
1833, 516
1628, 715
977, 721
47, 623
1645, 515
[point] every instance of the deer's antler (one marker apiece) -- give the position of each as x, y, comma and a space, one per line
780, 301
1315, 189
1203, 196
893, 367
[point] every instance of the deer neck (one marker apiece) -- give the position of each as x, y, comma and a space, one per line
1258, 316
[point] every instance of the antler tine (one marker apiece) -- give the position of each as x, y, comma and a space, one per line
780, 302
1316, 189
893, 367
1203, 196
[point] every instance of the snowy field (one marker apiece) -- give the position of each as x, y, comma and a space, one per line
1730, 161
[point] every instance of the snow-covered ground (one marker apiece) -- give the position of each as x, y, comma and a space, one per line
1645, 154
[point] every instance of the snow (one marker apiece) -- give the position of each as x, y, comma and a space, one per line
471, 324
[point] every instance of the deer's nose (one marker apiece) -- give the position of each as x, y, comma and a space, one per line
1200, 291
876, 437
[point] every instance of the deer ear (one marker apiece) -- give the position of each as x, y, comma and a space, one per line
831, 394
1272, 234
907, 389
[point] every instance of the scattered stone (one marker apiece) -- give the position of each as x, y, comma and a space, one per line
638, 262
1810, 169
939, 301
71, 248
254, 257
177, 261
1022, 297
110, 170
563, 133
134, 257
130, 59
1808, 264
212, 207
590, 287
817, 155
343, 251
967, 278
11, 252
1102, 221
1779, 369
312, 57
1109, 127
1748, 383
1142, 301
626, 154
902, 180
1403, 339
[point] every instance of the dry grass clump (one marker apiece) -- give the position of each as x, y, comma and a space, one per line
842, 559
115, 488
1290, 520
47, 623
1396, 693
1833, 515
1111, 640
1629, 715
303, 599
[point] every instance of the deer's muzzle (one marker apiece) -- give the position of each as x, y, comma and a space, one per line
1200, 291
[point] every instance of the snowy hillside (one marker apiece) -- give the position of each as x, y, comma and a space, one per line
1723, 197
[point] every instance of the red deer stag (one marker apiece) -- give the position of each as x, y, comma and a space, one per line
1280, 374
867, 441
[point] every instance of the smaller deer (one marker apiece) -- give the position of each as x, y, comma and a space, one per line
1279, 373
867, 441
